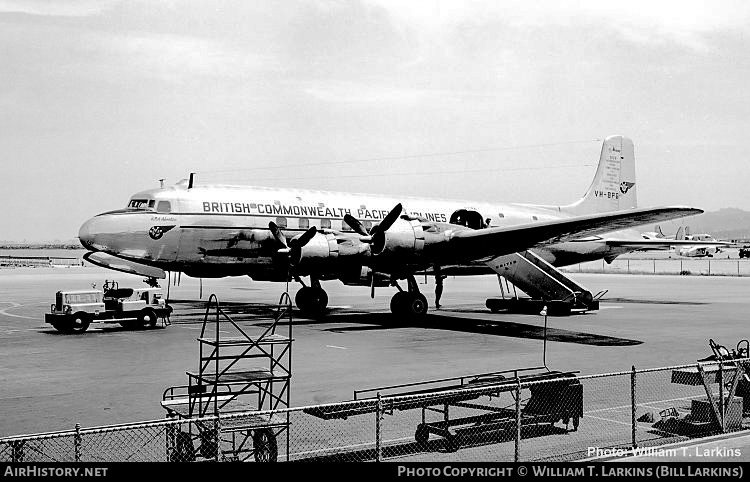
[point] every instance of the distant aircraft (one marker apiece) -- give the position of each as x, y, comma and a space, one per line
363, 239
700, 245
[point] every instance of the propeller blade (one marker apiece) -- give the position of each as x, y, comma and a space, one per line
378, 232
304, 238
277, 234
388, 221
355, 224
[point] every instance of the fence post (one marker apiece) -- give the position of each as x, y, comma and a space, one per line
217, 430
77, 442
632, 403
378, 411
517, 453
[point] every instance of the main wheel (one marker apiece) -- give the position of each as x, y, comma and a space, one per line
416, 305
264, 445
398, 302
311, 301
81, 322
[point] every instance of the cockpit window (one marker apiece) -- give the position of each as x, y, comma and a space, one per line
163, 207
138, 203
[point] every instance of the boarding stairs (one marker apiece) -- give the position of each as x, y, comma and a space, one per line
542, 282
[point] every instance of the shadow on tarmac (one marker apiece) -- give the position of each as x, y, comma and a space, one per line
346, 320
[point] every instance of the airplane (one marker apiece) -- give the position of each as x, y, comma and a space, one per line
274, 234
700, 245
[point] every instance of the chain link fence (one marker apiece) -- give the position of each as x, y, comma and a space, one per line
548, 416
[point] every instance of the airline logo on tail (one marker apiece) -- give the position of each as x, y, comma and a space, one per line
625, 186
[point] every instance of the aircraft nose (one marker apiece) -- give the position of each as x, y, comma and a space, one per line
87, 234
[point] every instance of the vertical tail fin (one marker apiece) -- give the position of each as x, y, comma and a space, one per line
613, 187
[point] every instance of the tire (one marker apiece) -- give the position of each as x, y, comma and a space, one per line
416, 305
183, 450
80, 322
451, 443
422, 435
62, 327
147, 317
311, 301
398, 303
264, 446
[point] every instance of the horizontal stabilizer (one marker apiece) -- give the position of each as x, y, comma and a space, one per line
482, 243
112, 262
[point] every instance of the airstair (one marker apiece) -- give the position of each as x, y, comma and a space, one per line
542, 282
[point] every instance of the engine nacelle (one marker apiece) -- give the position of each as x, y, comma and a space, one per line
321, 248
404, 237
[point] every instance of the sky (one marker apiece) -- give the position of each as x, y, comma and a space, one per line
482, 100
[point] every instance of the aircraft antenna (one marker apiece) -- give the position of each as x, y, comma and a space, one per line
161, 183
190, 182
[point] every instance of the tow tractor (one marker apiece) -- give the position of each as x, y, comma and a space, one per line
74, 311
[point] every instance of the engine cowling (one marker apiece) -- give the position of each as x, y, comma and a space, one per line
321, 248
404, 237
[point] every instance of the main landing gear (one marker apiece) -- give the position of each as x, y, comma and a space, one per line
311, 300
409, 303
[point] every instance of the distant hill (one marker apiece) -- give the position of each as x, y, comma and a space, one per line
727, 223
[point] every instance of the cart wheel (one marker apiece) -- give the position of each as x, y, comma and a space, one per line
183, 451
209, 444
451, 443
422, 435
62, 327
147, 317
264, 445
80, 323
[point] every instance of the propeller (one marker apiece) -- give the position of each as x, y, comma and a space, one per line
293, 248
376, 236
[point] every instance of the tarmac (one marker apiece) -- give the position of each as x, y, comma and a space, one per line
111, 375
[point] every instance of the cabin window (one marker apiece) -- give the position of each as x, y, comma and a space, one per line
346, 228
163, 207
367, 225
304, 223
281, 222
500, 215
151, 203
325, 223
534, 218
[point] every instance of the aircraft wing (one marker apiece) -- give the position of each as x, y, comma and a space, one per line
471, 245
659, 243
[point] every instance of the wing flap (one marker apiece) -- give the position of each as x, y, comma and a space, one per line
479, 244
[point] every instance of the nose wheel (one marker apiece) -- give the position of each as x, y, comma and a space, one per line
409, 303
